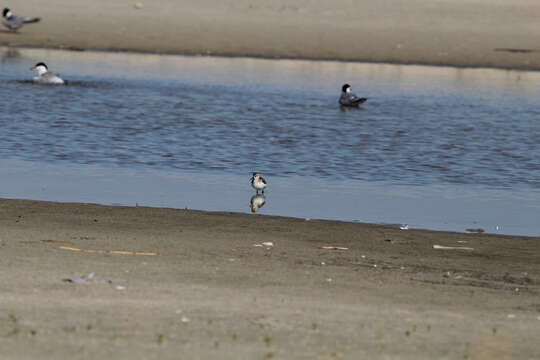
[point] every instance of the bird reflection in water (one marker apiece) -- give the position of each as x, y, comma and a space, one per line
9, 54
257, 201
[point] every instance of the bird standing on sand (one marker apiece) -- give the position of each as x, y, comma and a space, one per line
44, 76
347, 98
13, 22
258, 182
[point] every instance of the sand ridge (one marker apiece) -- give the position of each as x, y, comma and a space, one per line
479, 33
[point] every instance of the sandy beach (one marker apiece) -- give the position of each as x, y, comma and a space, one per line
169, 282
479, 33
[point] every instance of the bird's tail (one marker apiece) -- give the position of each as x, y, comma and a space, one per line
31, 20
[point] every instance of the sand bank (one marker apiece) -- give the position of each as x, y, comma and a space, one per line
172, 282
490, 33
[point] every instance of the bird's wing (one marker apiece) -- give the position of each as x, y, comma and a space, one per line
13, 22
50, 74
351, 99
357, 100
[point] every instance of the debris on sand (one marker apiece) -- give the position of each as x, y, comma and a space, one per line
266, 244
138, 5
478, 230
441, 247
116, 252
85, 279
333, 248
80, 279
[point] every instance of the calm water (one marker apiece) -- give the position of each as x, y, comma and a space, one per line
423, 130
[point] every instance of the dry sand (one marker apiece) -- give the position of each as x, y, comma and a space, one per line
493, 33
210, 293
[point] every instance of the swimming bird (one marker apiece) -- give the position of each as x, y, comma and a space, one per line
347, 98
44, 76
13, 22
256, 202
258, 182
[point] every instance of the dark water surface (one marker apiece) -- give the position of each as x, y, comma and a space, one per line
424, 130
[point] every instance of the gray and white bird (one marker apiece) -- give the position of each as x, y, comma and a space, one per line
256, 202
13, 22
44, 76
258, 182
347, 98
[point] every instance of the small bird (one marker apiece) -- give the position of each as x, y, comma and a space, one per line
347, 98
256, 202
44, 76
258, 182
13, 22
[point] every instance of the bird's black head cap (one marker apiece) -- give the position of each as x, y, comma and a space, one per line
345, 87
6, 10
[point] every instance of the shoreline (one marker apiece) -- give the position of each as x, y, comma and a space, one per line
383, 226
467, 33
358, 201
458, 66
203, 284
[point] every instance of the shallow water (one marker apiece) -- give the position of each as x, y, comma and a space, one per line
448, 207
423, 128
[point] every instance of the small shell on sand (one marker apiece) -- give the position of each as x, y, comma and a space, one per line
138, 5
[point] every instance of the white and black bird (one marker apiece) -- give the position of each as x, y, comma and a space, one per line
44, 76
347, 98
256, 202
258, 182
13, 22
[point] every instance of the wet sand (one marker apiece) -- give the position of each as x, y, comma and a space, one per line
487, 33
170, 282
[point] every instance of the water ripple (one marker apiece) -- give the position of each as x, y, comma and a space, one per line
484, 138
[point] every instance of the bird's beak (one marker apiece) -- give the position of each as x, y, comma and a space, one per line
33, 68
